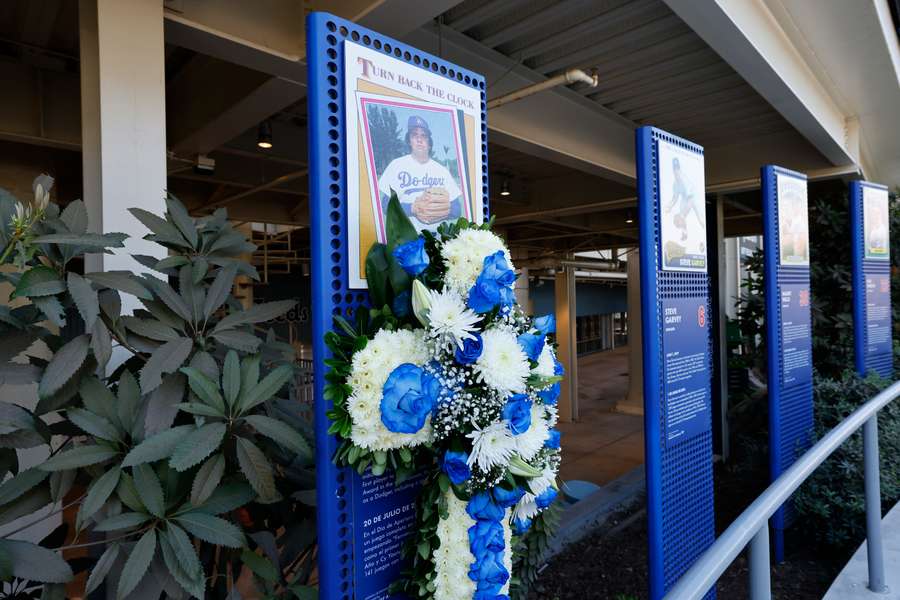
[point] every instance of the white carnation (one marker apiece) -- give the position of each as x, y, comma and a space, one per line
453, 557
464, 257
545, 362
530, 442
370, 368
503, 364
492, 446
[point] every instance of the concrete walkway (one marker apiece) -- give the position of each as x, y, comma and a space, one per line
603, 445
852, 581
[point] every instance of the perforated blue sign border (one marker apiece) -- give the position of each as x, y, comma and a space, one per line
325, 35
680, 510
790, 407
882, 363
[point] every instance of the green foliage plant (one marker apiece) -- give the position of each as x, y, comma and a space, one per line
167, 429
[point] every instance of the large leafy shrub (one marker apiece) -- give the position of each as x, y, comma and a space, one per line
167, 428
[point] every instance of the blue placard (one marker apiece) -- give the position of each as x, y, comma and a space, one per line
870, 252
676, 354
788, 326
363, 520
687, 367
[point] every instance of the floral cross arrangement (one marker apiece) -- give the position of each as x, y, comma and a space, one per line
447, 376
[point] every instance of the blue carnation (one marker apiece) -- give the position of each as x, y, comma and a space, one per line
402, 304
507, 498
493, 287
520, 526
482, 506
545, 324
517, 413
546, 498
408, 396
552, 440
550, 395
486, 536
455, 465
532, 344
412, 256
470, 351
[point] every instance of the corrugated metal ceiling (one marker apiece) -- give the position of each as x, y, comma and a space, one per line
653, 68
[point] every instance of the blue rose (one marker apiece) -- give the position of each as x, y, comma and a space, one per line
412, 256
507, 498
470, 351
552, 440
408, 396
546, 498
494, 285
545, 324
557, 367
550, 395
487, 591
532, 344
520, 526
456, 466
401, 304
482, 506
489, 571
517, 413
486, 536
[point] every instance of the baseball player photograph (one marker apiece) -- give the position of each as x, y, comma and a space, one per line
682, 208
427, 190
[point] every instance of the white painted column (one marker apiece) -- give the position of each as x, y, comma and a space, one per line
566, 340
633, 403
123, 122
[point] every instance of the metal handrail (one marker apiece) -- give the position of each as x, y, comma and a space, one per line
752, 526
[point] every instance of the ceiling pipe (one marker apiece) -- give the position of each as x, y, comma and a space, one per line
569, 77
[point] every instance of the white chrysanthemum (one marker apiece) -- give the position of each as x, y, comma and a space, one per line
552, 415
449, 320
503, 364
542, 482
370, 368
545, 362
526, 508
464, 257
507, 554
453, 557
492, 446
530, 442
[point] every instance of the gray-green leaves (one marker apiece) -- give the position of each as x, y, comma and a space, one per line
137, 564
197, 445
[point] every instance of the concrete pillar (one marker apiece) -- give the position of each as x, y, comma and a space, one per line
633, 403
123, 123
566, 340
523, 294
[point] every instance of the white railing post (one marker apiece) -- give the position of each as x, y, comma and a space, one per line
873, 505
760, 570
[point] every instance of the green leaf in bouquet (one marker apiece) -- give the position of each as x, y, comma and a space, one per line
38, 281
377, 265
157, 447
399, 228
137, 564
197, 445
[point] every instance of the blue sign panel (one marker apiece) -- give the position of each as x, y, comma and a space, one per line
870, 244
796, 335
676, 351
363, 520
687, 367
788, 326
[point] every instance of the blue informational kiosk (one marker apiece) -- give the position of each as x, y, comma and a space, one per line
871, 258
677, 353
788, 326
359, 81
